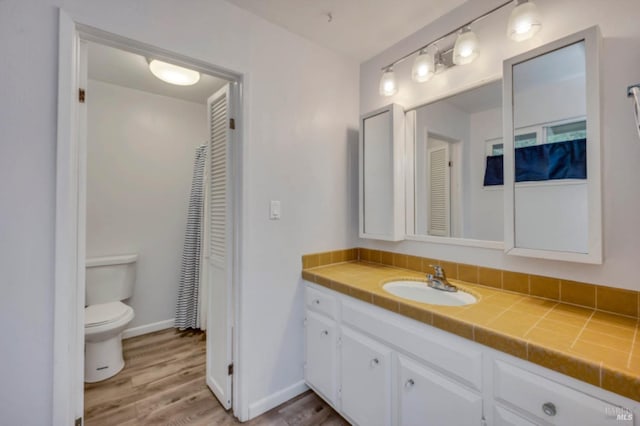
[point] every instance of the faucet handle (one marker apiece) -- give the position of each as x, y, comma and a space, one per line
439, 270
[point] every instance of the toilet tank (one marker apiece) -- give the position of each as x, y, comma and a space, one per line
110, 278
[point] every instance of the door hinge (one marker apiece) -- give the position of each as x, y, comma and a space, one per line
230, 370
450, 163
232, 123
81, 95
78, 422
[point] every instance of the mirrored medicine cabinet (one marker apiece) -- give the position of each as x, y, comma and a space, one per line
552, 156
510, 164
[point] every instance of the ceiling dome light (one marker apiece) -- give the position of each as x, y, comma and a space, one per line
524, 21
467, 47
174, 74
423, 67
388, 86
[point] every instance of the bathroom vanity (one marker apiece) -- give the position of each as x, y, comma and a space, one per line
382, 360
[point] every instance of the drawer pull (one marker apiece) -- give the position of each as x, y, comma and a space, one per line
409, 384
316, 301
549, 409
324, 333
375, 362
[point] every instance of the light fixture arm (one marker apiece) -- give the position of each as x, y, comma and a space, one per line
473, 21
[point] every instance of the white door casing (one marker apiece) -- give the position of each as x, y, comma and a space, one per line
68, 348
220, 250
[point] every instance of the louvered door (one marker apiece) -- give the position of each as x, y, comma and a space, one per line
219, 217
439, 191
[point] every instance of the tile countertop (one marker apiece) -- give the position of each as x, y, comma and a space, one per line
596, 347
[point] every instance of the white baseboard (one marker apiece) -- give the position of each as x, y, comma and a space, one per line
148, 328
275, 399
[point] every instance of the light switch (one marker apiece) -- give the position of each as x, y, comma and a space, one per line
274, 210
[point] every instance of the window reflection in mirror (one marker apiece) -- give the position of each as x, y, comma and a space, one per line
452, 138
550, 126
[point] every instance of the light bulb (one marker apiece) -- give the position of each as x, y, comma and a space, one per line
174, 74
524, 21
467, 47
388, 86
423, 67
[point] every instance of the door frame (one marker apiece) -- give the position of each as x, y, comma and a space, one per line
70, 227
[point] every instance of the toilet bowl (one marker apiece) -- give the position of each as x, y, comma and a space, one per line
103, 327
109, 280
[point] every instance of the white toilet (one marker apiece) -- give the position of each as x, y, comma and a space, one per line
108, 281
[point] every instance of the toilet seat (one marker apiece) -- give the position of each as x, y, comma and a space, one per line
104, 313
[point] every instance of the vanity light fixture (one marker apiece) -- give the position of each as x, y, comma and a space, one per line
173, 74
523, 23
423, 67
388, 86
440, 66
467, 47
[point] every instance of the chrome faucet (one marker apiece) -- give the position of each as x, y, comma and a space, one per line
439, 280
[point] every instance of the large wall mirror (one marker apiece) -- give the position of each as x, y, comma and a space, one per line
448, 143
550, 164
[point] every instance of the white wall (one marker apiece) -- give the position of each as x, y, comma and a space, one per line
300, 133
621, 148
140, 153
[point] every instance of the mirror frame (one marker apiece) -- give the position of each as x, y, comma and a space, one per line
410, 186
592, 40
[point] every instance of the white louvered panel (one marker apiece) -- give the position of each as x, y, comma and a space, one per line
219, 126
439, 192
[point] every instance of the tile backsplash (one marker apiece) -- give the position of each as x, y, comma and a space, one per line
602, 298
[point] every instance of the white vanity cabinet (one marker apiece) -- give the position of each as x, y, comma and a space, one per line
505, 417
377, 367
365, 379
427, 397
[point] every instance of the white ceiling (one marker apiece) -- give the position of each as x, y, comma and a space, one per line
127, 69
359, 28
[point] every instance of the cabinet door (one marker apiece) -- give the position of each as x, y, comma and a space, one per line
321, 355
428, 398
366, 379
381, 160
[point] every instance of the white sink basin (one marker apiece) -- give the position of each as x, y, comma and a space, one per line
421, 292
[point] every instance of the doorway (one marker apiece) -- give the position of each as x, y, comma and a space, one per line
71, 222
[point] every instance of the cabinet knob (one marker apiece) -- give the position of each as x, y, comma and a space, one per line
375, 362
316, 301
409, 384
549, 408
324, 333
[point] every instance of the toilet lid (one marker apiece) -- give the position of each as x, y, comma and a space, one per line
104, 313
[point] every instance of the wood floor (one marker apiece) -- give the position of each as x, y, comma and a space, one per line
163, 383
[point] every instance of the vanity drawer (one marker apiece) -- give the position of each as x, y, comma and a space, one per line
321, 302
551, 401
